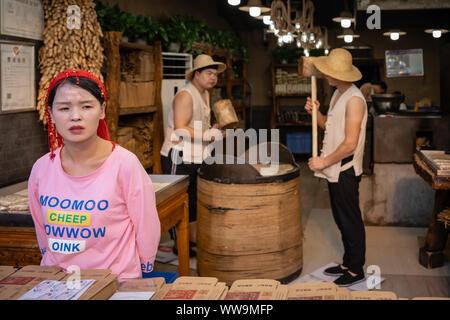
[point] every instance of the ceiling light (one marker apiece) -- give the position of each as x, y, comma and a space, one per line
345, 18
254, 8
304, 37
299, 44
266, 20
327, 51
348, 35
306, 52
280, 41
234, 2
394, 34
437, 33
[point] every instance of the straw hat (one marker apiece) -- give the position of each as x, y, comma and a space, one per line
338, 65
202, 61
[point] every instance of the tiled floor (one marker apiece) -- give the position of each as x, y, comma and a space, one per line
393, 249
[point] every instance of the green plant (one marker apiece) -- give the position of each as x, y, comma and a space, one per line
181, 29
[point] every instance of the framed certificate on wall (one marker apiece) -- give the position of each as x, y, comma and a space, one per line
17, 77
22, 18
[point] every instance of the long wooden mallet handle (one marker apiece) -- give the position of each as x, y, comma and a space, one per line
314, 116
306, 69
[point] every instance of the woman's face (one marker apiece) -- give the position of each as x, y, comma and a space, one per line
76, 113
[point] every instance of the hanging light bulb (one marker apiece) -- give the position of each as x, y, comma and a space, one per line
348, 35
299, 44
327, 51
346, 23
319, 44
254, 11
312, 37
234, 2
437, 33
306, 52
272, 26
280, 41
345, 19
266, 20
304, 37
394, 36
254, 8
348, 38
297, 26
276, 31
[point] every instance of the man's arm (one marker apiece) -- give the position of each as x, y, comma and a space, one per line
183, 107
353, 118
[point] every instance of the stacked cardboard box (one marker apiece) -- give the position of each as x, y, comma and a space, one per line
18, 283
192, 288
105, 284
256, 289
373, 295
138, 289
313, 291
13, 285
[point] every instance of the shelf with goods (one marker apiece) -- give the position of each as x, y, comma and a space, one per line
289, 93
232, 83
133, 77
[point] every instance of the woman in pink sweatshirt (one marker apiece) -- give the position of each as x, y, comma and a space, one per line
92, 203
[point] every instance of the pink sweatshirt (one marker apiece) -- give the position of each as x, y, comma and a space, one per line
105, 220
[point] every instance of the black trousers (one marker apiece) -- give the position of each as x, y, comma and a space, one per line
344, 197
169, 167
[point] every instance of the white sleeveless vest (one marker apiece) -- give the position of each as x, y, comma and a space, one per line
192, 150
335, 135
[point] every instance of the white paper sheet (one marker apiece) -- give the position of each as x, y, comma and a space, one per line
318, 276
132, 295
57, 290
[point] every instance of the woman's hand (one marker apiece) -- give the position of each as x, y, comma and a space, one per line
309, 105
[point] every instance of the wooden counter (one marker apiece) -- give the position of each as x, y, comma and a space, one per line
19, 247
431, 254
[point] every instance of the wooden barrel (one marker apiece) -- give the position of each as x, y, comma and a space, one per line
249, 230
225, 114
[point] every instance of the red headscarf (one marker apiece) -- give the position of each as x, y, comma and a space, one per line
102, 130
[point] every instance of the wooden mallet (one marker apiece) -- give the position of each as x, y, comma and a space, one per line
306, 69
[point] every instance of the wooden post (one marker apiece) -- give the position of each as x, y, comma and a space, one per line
112, 82
158, 130
314, 115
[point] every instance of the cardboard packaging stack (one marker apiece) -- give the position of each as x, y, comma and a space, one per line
138, 289
13, 285
105, 284
373, 295
314, 291
257, 289
18, 283
193, 288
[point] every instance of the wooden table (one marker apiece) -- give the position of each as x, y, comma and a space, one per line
19, 247
431, 254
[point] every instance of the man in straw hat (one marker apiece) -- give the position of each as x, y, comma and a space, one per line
189, 130
341, 159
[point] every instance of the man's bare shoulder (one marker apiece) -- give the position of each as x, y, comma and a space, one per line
183, 96
356, 102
